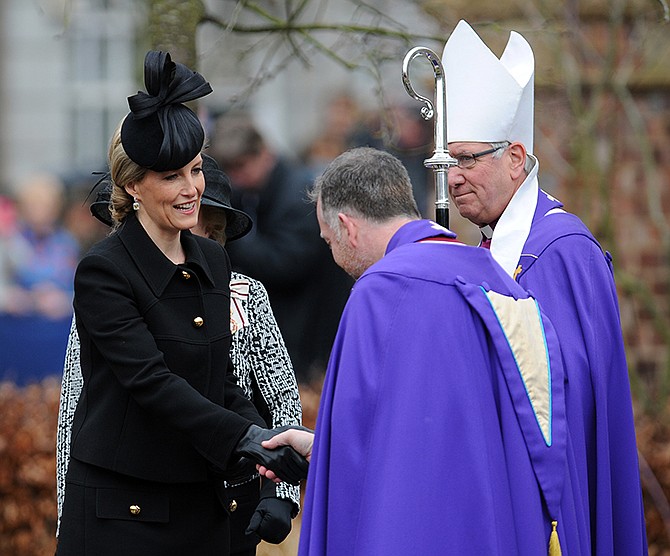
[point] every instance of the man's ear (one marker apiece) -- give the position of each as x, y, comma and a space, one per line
350, 227
517, 155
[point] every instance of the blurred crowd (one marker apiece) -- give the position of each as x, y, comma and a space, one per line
46, 226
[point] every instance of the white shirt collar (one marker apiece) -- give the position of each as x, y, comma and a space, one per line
513, 227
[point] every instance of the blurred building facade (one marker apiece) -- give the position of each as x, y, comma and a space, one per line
63, 71
67, 66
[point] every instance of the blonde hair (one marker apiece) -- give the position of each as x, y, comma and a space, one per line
123, 171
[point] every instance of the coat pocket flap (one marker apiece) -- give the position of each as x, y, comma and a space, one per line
132, 505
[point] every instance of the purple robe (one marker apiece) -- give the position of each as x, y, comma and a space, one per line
426, 441
565, 268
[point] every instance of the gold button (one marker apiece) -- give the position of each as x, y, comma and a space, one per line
232, 506
185, 274
198, 322
135, 509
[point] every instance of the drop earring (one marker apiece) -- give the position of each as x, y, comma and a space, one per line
136, 204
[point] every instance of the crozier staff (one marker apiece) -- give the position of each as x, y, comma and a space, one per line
441, 159
160, 414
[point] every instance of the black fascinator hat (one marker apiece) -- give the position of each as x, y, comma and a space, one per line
217, 194
161, 133
100, 207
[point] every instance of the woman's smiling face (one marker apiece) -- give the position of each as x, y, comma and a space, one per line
169, 201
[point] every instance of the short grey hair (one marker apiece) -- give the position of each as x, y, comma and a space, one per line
499, 145
368, 183
528, 163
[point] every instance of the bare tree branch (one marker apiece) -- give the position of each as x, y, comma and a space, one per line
282, 26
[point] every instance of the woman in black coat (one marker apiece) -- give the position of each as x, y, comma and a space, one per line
160, 417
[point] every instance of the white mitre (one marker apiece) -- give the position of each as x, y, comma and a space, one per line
488, 99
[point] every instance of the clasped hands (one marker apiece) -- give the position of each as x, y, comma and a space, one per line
278, 460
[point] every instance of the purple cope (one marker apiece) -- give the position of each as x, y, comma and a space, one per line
426, 439
572, 279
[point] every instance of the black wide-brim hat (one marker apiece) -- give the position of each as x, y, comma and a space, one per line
217, 194
161, 133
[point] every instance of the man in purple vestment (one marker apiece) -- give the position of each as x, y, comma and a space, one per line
441, 428
552, 254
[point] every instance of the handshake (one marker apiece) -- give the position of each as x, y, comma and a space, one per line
281, 454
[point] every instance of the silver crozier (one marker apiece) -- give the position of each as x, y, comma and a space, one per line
441, 159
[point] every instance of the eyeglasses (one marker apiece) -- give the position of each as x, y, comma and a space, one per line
465, 161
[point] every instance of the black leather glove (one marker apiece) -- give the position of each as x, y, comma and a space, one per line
272, 520
284, 461
238, 470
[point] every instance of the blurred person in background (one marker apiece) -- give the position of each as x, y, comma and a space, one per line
342, 124
260, 362
400, 130
7, 229
307, 290
397, 128
39, 257
412, 142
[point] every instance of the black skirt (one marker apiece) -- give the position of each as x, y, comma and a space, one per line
106, 513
